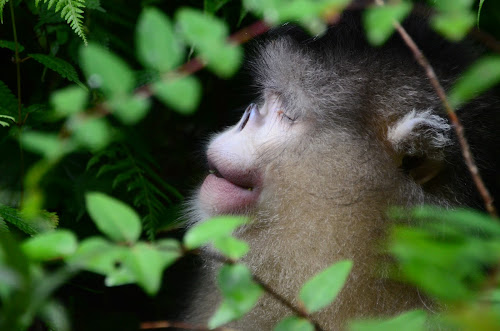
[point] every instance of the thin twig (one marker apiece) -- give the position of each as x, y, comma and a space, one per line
20, 121
178, 325
17, 60
298, 311
487, 39
459, 129
196, 64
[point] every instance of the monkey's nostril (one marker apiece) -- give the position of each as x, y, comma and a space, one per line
246, 116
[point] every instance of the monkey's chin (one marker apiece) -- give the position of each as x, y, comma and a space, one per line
224, 197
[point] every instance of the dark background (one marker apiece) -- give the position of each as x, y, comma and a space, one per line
174, 141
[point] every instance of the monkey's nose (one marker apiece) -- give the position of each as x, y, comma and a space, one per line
252, 108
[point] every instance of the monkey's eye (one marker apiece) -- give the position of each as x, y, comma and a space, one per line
284, 115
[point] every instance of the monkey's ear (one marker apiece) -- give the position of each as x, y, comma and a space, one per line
418, 140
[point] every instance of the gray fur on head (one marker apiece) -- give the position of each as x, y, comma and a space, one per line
366, 132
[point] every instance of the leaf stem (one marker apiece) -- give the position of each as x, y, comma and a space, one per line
20, 121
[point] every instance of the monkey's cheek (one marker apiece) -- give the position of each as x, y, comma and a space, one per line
223, 197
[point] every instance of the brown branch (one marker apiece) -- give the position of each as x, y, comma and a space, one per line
298, 311
487, 39
248, 33
196, 64
178, 325
459, 129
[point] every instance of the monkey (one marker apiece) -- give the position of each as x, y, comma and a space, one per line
339, 132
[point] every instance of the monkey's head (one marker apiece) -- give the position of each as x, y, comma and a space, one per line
334, 126
340, 132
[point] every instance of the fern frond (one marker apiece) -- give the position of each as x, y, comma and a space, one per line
2, 4
44, 222
6, 124
136, 174
60, 66
8, 101
71, 12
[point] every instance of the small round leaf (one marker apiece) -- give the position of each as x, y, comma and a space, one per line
157, 44
212, 229
322, 289
113, 217
182, 94
294, 323
50, 245
105, 70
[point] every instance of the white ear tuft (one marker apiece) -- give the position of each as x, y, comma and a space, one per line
419, 133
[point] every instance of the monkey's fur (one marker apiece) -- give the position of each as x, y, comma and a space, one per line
373, 135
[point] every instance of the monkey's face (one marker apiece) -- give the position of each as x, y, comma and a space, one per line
235, 158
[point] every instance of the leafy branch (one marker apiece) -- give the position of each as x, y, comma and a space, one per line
71, 12
140, 180
401, 12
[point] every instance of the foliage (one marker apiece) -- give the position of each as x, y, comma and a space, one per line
71, 11
83, 152
151, 193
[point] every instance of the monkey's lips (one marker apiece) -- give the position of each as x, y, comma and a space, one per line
229, 191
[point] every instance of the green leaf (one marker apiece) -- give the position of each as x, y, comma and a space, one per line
11, 45
69, 100
60, 66
482, 75
302, 11
120, 276
231, 247
453, 25
113, 217
294, 323
379, 21
157, 44
413, 320
147, 265
213, 6
208, 35
224, 314
212, 229
452, 5
239, 291
71, 12
201, 29
92, 133
47, 144
182, 94
322, 289
223, 59
2, 4
468, 220
447, 268
98, 255
105, 70
480, 8
131, 109
50, 245
6, 124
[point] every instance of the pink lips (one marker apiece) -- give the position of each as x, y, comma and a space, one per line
230, 192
